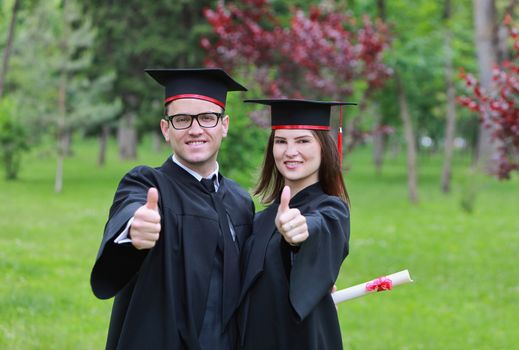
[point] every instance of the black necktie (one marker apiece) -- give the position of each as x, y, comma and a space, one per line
208, 184
231, 259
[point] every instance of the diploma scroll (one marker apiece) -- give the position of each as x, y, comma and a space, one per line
376, 285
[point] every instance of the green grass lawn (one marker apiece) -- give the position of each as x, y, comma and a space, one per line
465, 295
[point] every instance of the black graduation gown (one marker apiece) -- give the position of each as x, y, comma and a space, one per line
161, 294
286, 301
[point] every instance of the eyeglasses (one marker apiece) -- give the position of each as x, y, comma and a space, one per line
184, 121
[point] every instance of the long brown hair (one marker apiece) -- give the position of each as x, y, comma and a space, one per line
271, 181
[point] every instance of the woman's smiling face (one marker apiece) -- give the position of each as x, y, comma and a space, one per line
297, 154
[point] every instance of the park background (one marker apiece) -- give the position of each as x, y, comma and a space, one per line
432, 178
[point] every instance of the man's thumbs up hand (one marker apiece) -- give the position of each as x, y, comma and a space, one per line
289, 222
153, 199
145, 228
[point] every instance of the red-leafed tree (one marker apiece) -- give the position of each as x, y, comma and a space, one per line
498, 108
319, 55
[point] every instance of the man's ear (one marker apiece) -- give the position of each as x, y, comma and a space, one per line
225, 125
164, 127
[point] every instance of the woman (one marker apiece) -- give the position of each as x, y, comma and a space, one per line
301, 239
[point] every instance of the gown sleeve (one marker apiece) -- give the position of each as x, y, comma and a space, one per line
116, 264
317, 262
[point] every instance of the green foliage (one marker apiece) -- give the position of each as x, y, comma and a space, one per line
242, 149
90, 111
418, 53
64, 36
137, 34
13, 138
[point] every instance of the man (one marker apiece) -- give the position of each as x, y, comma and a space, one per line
170, 250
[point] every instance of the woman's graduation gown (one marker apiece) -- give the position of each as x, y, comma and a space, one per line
161, 294
286, 292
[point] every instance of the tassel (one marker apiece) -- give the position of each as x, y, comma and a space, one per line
339, 137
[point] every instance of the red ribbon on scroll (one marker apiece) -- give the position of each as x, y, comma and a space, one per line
379, 284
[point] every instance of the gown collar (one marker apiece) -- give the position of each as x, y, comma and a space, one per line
178, 174
196, 175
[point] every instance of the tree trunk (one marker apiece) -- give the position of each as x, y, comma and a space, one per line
381, 9
67, 144
485, 25
126, 131
127, 136
450, 127
352, 134
8, 46
409, 139
378, 140
156, 141
103, 141
394, 146
11, 163
61, 136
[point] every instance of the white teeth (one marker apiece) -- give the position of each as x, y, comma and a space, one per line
196, 143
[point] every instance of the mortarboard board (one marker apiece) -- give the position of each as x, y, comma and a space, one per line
209, 84
303, 114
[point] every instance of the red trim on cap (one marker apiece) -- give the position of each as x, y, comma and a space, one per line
199, 97
311, 127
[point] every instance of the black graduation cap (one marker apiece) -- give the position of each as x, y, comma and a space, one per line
209, 84
300, 114
303, 114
